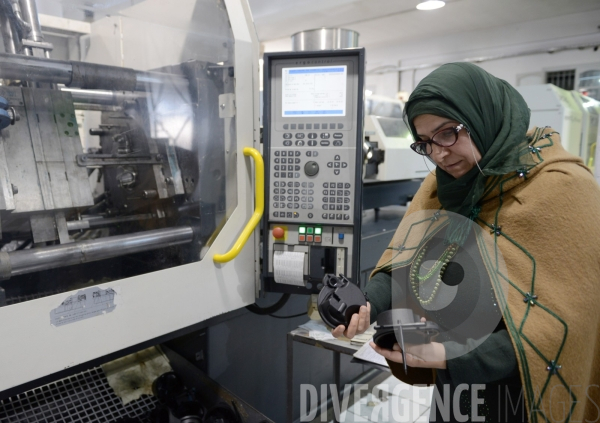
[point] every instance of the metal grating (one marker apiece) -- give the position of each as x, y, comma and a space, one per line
84, 397
564, 79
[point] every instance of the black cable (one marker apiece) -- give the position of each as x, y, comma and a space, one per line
289, 317
271, 309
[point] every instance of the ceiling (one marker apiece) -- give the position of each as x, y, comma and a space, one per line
384, 21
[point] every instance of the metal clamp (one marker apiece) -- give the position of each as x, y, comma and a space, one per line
259, 208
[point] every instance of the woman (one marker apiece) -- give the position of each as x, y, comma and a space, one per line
541, 207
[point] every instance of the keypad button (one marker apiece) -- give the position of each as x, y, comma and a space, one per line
330, 164
312, 136
277, 153
293, 126
304, 184
276, 167
296, 175
296, 215
296, 205
277, 160
324, 143
289, 205
346, 217
301, 126
276, 183
340, 126
346, 193
309, 126
317, 125
311, 184
304, 192
287, 143
324, 215
346, 200
286, 126
344, 165
300, 136
311, 199
296, 184
338, 135
339, 200
296, 191
325, 185
325, 192
303, 199
297, 167
339, 192
275, 214
332, 126
303, 206
287, 136
296, 153
331, 216
325, 136
315, 153
281, 206
299, 143
290, 198
276, 191
283, 167
284, 161
310, 215
338, 216
283, 190
290, 215
336, 172
325, 206
331, 199
338, 207
336, 157
325, 199
275, 205
340, 185
290, 174
336, 165
338, 143
346, 207
346, 185
276, 174
297, 160
312, 143
296, 198
310, 206
308, 153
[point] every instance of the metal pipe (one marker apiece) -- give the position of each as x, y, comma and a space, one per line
75, 225
30, 15
37, 259
101, 96
82, 75
8, 35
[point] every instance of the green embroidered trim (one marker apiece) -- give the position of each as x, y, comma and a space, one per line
491, 262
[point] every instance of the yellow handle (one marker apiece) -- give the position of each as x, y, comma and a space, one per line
259, 169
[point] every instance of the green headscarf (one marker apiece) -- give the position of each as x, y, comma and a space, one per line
496, 116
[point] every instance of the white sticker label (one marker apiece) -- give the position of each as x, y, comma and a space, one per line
89, 302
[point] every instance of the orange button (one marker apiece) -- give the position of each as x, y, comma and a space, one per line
317, 238
301, 238
309, 238
278, 232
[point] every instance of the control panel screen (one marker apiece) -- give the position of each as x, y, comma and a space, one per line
314, 91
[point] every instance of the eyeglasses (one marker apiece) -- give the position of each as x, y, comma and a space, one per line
446, 137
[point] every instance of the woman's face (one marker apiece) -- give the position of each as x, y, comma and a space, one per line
456, 160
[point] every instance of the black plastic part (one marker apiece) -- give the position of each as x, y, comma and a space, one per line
414, 333
339, 300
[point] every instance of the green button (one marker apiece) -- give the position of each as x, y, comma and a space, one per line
310, 230
318, 231
302, 230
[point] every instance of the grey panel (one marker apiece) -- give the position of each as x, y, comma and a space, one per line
66, 123
38, 151
20, 158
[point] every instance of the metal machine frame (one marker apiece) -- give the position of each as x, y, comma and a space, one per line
162, 302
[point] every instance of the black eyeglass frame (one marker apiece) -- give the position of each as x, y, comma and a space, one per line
430, 141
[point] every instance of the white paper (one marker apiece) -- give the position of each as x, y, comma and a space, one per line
367, 353
288, 267
317, 330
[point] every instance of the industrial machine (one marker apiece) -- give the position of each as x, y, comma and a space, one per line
388, 156
108, 247
590, 109
312, 138
555, 107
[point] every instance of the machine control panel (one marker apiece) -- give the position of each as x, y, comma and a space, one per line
312, 141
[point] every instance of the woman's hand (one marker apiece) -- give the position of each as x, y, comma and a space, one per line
358, 323
432, 355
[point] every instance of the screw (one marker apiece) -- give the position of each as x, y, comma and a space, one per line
169, 180
223, 106
83, 158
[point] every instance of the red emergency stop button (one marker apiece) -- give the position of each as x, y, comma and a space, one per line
278, 232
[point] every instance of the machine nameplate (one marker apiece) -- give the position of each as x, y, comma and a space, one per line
86, 303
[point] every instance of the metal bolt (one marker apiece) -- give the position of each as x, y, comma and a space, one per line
83, 158
223, 106
169, 180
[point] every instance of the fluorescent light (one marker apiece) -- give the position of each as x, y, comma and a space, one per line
431, 4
